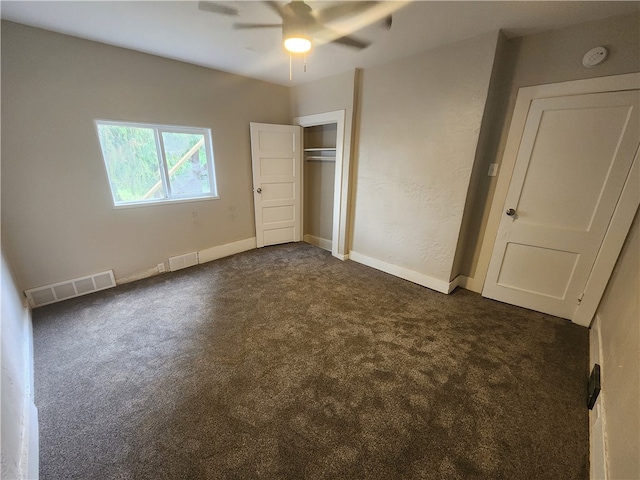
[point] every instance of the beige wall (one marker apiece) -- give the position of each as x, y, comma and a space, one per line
57, 216
618, 319
549, 57
418, 131
326, 95
318, 198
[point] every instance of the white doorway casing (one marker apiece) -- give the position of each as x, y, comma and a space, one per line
341, 179
623, 213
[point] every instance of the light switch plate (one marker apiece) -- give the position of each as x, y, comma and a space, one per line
493, 170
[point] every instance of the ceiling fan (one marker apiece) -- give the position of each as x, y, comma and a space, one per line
301, 24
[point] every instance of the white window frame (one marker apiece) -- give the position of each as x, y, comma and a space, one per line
158, 130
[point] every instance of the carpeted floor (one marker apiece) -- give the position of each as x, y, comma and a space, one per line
286, 363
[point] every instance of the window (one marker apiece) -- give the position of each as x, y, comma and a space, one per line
156, 163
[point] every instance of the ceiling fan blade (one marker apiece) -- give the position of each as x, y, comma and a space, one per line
329, 35
276, 7
218, 8
344, 9
353, 42
245, 26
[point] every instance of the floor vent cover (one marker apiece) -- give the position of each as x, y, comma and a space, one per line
183, 261
71, 288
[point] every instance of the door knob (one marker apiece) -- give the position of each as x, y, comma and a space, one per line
259, 190
511, 212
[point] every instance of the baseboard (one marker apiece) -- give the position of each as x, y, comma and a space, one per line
459, 281
226, 250
149, 272
468, 283
415, 277
325, 245
318, 242
204, 256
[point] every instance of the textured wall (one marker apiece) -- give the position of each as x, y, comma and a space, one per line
57, 215
619, 314
419, 124
17, 376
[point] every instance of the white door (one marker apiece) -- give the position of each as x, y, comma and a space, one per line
276, 154
574, 158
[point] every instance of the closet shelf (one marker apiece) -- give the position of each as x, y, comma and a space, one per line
327, 149
320, 158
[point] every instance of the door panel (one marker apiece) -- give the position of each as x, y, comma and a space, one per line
277, 186
271, 167
285, 213
593, 140
574, 157
274, 236
273, 140
537, 262
278, 191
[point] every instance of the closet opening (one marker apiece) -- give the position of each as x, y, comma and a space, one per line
319, 169
325, 187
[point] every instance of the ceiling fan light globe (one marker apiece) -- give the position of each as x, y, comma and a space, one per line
297, 44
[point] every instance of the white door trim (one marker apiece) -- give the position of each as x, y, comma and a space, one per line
341, 188
611, 246
610, 249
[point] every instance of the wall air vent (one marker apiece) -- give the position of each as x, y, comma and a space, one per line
183, 261
76, 287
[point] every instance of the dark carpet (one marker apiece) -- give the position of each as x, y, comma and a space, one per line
286, 363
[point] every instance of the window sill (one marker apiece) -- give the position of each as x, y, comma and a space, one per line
164, 202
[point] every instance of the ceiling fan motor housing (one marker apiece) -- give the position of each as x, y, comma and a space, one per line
298, 21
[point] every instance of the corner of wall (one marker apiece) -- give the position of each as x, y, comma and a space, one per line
31, 441
478, 198
19, 413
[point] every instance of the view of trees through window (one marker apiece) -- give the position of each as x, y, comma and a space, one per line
154, 163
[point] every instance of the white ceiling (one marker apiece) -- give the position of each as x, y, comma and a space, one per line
179, 30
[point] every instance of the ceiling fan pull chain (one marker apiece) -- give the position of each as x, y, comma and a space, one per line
290, 74
305, 63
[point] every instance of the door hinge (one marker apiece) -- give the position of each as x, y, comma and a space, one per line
580, 298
